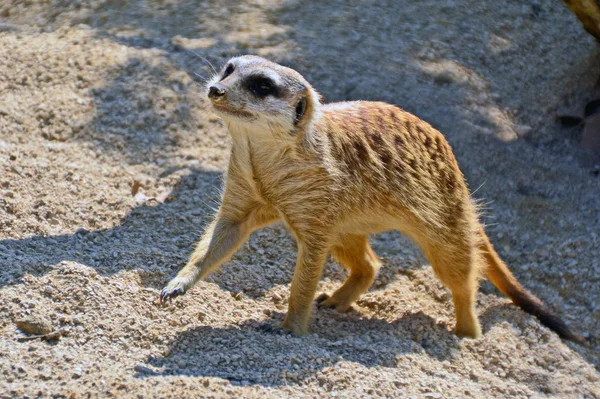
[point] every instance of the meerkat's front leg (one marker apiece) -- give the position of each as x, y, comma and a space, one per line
219, 242
309, 266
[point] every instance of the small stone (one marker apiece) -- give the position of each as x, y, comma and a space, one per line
48, 290
77, 372
143, 369
35, 325
523, 130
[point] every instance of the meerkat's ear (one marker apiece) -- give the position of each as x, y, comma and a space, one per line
306, 107
300, 110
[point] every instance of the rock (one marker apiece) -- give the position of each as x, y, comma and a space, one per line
143, 369
523, 130
588, 13
37, 325
77, 372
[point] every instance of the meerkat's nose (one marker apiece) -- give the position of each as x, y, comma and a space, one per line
216, 92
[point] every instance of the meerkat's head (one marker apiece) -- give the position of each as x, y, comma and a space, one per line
253, 91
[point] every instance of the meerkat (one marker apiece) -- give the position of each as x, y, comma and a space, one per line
335, 174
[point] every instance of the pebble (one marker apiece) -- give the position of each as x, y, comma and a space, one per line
77, 372
143, 369
34, 324
523, 130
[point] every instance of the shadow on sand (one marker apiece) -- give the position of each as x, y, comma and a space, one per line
242, 354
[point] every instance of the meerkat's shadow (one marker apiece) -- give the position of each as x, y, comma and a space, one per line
247, 355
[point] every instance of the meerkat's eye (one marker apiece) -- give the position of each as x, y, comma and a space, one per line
228, 71
261, 87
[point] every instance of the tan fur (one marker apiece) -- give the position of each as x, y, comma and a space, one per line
340, 173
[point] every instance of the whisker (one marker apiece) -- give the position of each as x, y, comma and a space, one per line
205, 60
203, 79
477, 189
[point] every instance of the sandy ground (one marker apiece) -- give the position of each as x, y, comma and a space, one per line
99, 97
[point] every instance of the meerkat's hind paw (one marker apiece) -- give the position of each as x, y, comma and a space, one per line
174, 289
323, 302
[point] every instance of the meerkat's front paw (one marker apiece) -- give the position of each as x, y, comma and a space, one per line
175, 288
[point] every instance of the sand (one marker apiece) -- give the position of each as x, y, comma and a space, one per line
111, 163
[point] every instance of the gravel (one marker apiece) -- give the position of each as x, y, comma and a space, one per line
111, 163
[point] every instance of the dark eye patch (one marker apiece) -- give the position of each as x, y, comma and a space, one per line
261, 86
228, 71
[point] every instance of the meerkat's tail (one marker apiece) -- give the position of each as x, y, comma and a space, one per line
499, 275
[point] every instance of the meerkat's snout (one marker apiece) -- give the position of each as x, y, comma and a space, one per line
216, 92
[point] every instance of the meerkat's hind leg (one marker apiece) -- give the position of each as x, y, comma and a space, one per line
356, 255
457, 266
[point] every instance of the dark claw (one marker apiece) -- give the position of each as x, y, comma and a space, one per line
166, 295
320, 299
